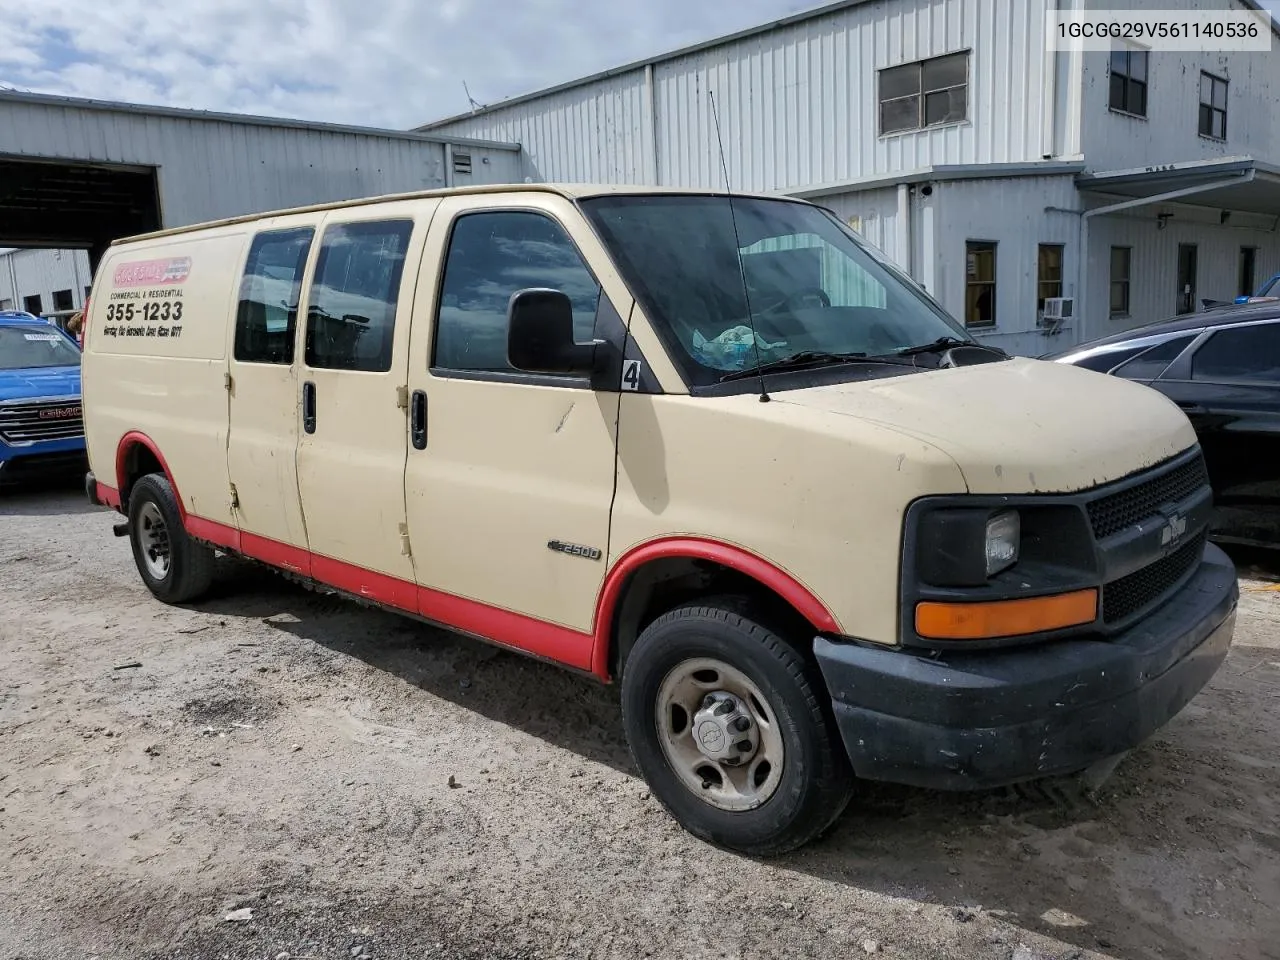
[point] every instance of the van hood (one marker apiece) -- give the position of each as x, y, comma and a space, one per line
1019, 425
37, 383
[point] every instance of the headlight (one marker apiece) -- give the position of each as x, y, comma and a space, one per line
1004, 535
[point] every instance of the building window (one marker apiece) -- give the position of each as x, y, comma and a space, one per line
491, 256
63, 300
33, 304
1248, 271
1213, 107
1049, 283
924, 94
980, 284
351, 312
1129, 81
6, 304
87, 291
1121, 261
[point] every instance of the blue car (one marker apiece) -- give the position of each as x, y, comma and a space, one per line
41, 419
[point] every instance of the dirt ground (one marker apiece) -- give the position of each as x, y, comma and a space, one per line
368, 787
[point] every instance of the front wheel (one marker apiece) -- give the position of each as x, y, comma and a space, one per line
726, 722
174, 567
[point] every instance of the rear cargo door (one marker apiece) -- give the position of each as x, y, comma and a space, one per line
353, 399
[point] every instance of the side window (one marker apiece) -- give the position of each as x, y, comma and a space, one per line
351, 313
1149, 364
268, 311
491, 256
1242, 353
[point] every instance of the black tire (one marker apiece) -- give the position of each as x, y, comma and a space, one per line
191, 564
816, 780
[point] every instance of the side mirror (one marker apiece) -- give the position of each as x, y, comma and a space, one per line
540, 334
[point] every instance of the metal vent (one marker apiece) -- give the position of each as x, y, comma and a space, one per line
462, 163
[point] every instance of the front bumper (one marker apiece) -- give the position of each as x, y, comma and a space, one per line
42, 461
975, 720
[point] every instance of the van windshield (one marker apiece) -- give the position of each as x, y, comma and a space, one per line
812, 287
32, 346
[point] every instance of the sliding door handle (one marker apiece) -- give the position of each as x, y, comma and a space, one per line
418, 420
309, 407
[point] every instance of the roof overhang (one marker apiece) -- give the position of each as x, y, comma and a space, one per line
1231, 183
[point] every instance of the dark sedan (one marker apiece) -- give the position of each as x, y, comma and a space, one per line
1222, 367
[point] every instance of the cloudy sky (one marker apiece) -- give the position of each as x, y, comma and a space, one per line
395, 63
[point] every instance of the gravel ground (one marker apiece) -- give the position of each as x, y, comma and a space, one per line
357, 785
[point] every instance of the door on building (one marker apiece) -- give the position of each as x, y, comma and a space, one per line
263, 418
510, 479
1187, 263
351, 452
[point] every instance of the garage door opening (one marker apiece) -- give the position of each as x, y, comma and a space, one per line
65, 205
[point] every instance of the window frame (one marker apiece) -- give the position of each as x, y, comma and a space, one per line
1112, 313
1124, 110
303, 286
921, 94
993, 283
508, 376
1214, 81
1062, 274
312, 274
1187, 360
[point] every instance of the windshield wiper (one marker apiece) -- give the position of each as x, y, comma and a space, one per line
945, 343
804, 360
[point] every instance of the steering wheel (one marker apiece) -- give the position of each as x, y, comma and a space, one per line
799, 298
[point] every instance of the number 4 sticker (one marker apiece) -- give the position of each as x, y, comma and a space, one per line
631, 375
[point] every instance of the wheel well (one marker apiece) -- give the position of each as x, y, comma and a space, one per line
665, 584
137, 462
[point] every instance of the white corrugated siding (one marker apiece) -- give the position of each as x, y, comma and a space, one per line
1154, 269
797, 104
1114, 141
598, 133
211, 168
25, 273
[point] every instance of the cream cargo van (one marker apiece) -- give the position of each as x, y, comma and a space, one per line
711, 448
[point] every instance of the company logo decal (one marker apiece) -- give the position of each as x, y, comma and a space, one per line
152, 273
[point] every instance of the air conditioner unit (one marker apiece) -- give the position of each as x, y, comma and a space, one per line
1058, 309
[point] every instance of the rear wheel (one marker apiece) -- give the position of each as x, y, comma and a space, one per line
174, 567
727, 722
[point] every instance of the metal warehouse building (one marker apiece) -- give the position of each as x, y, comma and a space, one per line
1000, 175
76, 174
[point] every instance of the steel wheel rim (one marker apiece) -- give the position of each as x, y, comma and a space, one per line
680, 700
153, 540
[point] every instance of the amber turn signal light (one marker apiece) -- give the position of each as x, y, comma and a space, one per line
1005, 618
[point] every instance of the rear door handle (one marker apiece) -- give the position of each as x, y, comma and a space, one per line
418, 420
309, 407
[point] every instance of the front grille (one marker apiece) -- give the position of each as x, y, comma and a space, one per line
29, 422
1123, 598
1117, 511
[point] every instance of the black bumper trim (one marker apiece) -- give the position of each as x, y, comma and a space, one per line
989, 718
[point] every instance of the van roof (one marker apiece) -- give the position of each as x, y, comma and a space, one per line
572, 191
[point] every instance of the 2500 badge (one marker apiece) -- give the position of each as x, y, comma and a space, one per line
155, 311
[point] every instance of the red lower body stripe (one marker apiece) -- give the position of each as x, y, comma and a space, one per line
549, 640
